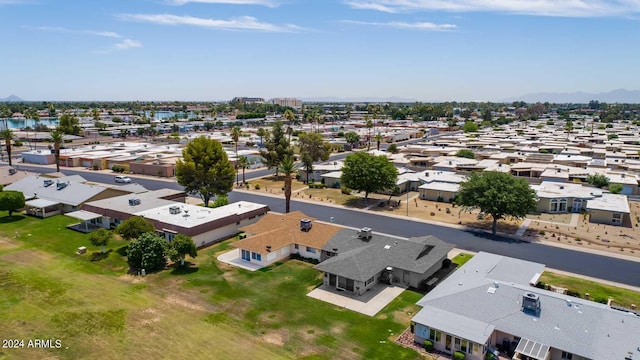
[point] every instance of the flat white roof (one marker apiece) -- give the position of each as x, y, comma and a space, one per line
193, 215
610, 202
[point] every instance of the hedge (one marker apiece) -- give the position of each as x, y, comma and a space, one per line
428, 345
458, 355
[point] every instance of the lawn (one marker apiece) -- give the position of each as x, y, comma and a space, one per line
209, 309
461, 259
597, 291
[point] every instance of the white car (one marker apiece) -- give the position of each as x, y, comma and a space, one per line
122, 179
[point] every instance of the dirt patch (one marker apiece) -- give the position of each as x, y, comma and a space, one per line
276, 338
308, 333
338, 328
403, 317
186, 303
151, 316
28, 256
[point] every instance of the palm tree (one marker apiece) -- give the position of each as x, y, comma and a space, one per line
369, 125
290, 116
261, 133
378, 139
7, 136
243, 163
56, 139
235, 135
287, 166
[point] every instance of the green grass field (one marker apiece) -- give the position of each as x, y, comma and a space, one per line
209, 310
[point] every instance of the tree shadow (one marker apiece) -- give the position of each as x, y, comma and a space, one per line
10, 219
187, 269
122, 251
488, 235
99, 255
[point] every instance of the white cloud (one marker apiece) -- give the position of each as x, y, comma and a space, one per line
404, 25
232, 2
565, 8
236, 23
128, 44
60, 29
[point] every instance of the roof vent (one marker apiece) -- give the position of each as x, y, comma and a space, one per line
365, 233
175, 209
531, 303
387, 247
305, 225
61, 185
48, 183
134, 202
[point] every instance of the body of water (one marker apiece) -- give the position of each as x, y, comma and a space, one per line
23, 123
166, 115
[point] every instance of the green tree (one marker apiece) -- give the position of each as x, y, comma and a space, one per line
369, 126
313, 148
470, 126
497, 194
243, 163
133, 227
393, 148
7, 136
205, 168
597, 180
262, 133
352, 138
56, 139
101, 237
69, 124
465, 153
365, 172
290, 117
147, 252
276, 148
235, 136
288, 167
615, 188
181, 246
221, 200
11, 201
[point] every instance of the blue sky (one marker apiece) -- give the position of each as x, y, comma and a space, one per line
429, 50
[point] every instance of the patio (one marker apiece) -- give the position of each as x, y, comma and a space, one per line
374, 300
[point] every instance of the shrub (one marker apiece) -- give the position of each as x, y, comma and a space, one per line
17, 143
345, 190
428, 345
257, 186
458, 355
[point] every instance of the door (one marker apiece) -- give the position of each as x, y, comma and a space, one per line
246, 255
577, 205
406, 277
447, 343
332, 280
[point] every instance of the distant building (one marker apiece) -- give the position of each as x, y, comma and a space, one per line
290, 102
248, 100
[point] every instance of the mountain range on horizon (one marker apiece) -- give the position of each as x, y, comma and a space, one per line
579, 97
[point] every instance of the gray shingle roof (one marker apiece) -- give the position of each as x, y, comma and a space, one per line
360, 260
570, 324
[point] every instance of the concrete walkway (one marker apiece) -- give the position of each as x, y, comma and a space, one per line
233, 258
523, 228
369, 304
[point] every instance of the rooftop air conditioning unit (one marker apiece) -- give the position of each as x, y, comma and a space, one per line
365, 233
174, 209
48, 183
61, 185
531, 302
134, 202
305, 225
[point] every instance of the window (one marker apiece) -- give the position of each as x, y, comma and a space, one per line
434, 335
476, 348
553, 205
295, 246
256, 256
170, 237
616, 218
563, 205
567, 355
456, 343
311, 250
464, 345
366, 283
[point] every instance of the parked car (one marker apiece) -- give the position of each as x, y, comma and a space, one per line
122, 179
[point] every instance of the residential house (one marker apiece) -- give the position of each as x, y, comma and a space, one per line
439, 185
355, 261
276, 236
555, 197
609, 209
489, 308
170, 216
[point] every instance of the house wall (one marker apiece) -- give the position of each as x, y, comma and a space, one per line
432, 195
163, 170
44, 158
605, 217
331, 182
302, 251
421, 333
415, 279
214, 235
555, 354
